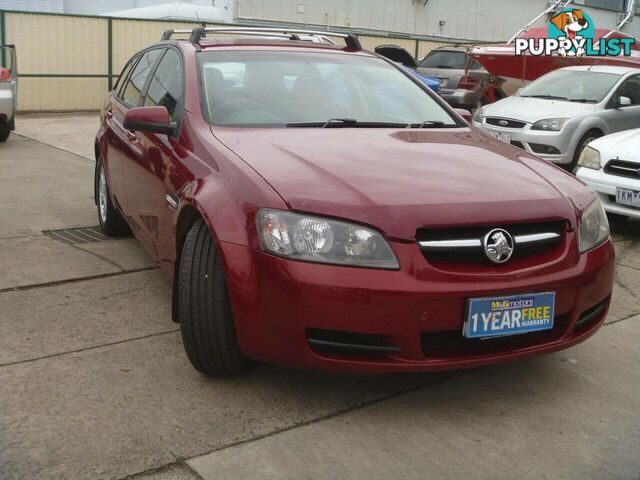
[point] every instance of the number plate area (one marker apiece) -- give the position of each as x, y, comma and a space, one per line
511, 315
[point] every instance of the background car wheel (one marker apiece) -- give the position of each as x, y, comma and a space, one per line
206, 321
587, 138
111, 222
7, 128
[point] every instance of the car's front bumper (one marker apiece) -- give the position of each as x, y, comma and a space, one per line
418, 309
605, 186
526, 137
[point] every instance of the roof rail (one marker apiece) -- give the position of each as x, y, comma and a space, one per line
195, 35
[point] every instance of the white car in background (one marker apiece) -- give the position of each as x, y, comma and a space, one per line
611, 166
8, 90
555, 116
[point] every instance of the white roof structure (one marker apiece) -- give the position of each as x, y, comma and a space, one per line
177, 11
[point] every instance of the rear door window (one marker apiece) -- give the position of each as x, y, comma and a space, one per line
135, 86
165, 88
448, 59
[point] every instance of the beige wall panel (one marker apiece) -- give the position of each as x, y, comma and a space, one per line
61, 93
129, 36
425, 47
370, 43
58, 44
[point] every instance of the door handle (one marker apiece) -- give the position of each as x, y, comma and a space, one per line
132, 136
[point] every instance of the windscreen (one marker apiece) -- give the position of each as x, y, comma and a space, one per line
572, 85
285, 88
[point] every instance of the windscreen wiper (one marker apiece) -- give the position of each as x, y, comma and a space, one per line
546, 97
583, 100
434, 124
347, 123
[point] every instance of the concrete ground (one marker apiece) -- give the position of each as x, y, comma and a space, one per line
94, 383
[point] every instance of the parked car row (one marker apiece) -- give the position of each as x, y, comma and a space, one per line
561, 116
319, 206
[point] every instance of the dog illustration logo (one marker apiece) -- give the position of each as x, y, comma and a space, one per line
571, 33
572, 23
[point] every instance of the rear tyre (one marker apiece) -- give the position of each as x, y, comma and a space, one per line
7, 128
587, 138
111, 222
206, 321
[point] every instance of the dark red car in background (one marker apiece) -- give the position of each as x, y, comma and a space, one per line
316, 206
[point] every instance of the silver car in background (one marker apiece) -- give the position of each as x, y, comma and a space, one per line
462, 79
8, 90
557, 115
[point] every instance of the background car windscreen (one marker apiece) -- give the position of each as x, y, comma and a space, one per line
271, 89
572, 85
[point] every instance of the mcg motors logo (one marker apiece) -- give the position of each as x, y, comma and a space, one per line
571, 34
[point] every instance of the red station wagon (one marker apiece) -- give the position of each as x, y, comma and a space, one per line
316, 206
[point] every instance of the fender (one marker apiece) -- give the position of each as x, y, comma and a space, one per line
586, 123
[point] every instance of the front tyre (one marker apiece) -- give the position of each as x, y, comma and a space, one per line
206, 321
111, 222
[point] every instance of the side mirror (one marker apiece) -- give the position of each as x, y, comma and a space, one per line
466, 114
149, 120
623, 102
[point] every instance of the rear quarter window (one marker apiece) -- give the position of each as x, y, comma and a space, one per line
134, 87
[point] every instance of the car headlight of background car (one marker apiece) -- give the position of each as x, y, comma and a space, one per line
589, 158
550, 124
322, 240
478, 115
594, 226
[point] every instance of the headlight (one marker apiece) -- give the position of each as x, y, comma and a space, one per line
322, 240
594, 226
589, 158
478, 115
550, 124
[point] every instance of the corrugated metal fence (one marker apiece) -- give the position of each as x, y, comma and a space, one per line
68, 62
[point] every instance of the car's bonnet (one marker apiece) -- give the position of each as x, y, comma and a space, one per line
622, 145
398, 180
533, 109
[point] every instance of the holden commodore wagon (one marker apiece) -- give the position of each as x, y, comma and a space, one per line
314, 205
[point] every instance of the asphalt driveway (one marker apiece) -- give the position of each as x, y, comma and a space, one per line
94, 383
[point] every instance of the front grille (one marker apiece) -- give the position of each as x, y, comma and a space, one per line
467, 244
505, 122
333, 342
518, 144
452, 344
623, 169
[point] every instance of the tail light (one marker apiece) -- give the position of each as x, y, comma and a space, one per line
468, 83
5, 75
